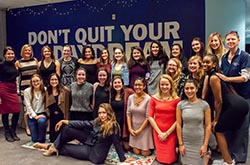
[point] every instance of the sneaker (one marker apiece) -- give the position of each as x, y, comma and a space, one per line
218, 162
233, 163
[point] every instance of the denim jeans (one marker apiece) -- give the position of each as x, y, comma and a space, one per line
38, 129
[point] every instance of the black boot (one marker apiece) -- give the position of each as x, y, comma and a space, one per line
15, 137
8, 136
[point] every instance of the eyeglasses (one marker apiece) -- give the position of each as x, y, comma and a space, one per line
35, 81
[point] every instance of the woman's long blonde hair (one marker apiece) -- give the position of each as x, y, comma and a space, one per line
221, 49
176, 76
109, 126
200, 72
172, 91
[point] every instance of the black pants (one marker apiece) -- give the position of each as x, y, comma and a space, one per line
14, 120
79, 151
75, 115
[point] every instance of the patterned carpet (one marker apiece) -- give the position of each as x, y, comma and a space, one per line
113, 158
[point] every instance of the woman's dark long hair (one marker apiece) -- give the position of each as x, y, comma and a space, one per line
52, 55
196, 84
107, 82
92, 52
113, 91
161, 54
201, 52
59, 86
5, 51
142, 61
215, 60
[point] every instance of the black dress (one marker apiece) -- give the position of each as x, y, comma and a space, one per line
234, 108
56, 115
101, 96
46, 72
118, 108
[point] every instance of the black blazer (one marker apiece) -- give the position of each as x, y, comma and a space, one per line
98, 144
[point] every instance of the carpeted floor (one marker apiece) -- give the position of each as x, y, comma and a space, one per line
112, 156
12, 153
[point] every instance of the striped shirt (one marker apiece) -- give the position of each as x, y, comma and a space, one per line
26, 69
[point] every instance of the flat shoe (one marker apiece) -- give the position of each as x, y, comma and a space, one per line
27, 131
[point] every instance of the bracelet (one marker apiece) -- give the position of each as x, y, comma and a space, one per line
182, 144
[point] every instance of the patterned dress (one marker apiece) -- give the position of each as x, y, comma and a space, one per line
68, 69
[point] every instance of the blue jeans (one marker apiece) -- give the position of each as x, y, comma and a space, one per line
38, 129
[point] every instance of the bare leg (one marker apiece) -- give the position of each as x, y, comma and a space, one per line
145, 153
207, 157
136, 151
221, 140
25, 118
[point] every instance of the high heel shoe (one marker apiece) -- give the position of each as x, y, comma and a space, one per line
51, 151
41, 146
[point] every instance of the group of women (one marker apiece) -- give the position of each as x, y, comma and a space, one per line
170, 105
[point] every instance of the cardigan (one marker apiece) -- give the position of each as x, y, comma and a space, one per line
63, 101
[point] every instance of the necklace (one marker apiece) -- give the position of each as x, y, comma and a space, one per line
139, 99
166, 98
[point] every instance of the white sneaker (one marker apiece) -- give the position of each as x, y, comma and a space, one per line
233, 163
218, 162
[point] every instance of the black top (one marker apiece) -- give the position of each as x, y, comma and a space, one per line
234, 107
46, 72
118, 108
8, 72
101, 96
91, 69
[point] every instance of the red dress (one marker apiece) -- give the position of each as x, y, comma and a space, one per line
164, 113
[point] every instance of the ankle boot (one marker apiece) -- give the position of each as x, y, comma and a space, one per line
15, 137
8, 136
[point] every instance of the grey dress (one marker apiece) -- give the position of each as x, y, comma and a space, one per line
193, 115
156, 71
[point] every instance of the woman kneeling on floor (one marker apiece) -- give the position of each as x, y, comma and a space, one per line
34, 98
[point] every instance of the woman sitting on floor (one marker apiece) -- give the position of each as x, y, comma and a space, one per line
95, 136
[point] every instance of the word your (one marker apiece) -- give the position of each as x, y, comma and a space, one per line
96, 35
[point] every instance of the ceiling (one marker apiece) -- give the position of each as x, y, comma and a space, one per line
10, 4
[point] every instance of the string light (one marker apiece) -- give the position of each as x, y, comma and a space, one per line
72, 7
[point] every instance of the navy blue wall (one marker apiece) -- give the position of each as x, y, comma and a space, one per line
106, 23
